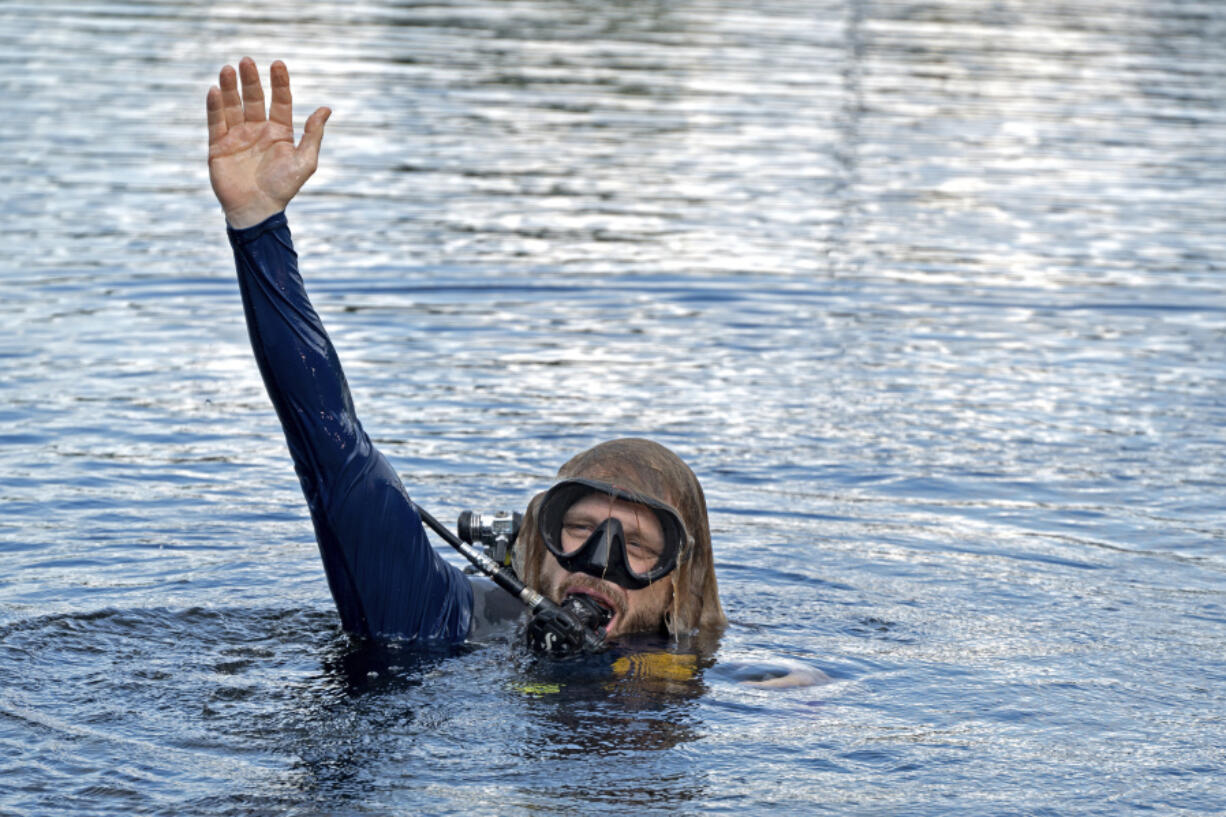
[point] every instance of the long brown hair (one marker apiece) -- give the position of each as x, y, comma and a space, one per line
648, 468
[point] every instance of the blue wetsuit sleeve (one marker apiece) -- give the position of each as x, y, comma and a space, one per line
385, 577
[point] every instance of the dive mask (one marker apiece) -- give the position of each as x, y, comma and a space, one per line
606, 554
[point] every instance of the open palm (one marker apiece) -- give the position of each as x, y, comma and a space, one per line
254, 166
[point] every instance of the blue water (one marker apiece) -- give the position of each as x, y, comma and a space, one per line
930, 295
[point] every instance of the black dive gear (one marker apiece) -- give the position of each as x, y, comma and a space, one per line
604, 554
576, 626
562, 632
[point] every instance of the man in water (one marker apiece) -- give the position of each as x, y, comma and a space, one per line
625, 525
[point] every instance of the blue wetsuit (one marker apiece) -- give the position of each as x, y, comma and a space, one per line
385, 577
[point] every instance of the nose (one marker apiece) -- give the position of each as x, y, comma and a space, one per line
608, 533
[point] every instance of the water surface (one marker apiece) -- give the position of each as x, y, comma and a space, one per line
929, 295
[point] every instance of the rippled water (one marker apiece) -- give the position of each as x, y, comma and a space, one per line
929, 294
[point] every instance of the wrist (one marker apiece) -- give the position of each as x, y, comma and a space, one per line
246, 235
240, 218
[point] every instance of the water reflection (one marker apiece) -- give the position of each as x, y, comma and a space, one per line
593, 728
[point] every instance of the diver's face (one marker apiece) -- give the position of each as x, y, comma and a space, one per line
634, 610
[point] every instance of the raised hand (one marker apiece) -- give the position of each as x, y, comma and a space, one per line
254, 166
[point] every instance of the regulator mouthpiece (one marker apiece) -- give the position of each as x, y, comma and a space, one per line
588, 610
574, 627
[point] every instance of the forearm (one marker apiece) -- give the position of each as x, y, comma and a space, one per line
384, 576
296, 359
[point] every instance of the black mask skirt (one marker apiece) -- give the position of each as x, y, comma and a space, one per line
604, 555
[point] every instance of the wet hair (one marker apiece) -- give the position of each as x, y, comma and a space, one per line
644, 467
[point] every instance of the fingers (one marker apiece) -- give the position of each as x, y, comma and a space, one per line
282, 110
312, 136
253, 94
232, 103
227, 108
217, 116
